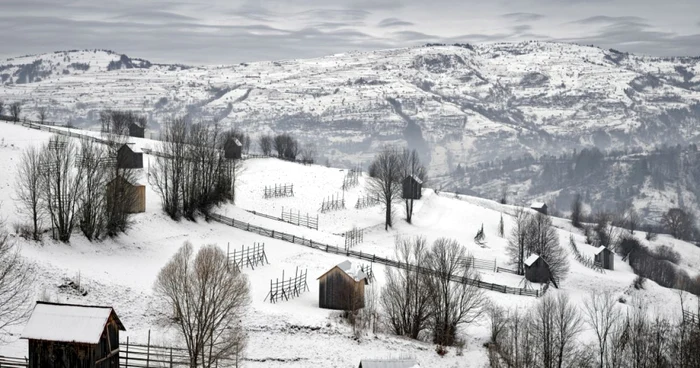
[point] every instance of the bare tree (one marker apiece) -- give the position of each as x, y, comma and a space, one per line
678, 222
167, 171
265, 144
92, 161
576, 211
602, 316
28, 189
386, 182
517, 240
411, 166
455, 303
15, 110
542, 239
208, 298
405, 297
281, 143
15, 283
568, 324
119, 122
308, 152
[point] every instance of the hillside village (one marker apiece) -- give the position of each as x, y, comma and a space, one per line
312, 242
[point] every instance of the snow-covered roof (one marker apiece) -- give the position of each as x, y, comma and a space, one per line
68, 323
531, 259
237, 142
386, 363
600, 249
351, 269
416, 178
538, 205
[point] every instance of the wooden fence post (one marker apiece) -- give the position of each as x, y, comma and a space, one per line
148, 349
127, 351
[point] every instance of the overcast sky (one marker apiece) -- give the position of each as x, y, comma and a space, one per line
232, 31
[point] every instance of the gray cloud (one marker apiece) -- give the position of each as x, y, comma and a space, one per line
522, 28
598, 19
393, 22
523, 17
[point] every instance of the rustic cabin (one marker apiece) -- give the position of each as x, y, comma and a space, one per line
605, 257
342, 287
134, 195
233, 149
540, 207
389, 363
137, 130
537, 270
412, 187
70, 335
129, 158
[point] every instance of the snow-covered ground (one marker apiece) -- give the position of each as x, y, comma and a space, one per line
295, 333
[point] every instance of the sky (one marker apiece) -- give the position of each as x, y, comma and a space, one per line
234, 31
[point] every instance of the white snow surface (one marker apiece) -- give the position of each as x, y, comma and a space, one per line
531, 259
353, 270
120, 272
67, 323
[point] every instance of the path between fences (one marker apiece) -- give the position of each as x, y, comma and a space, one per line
369, 257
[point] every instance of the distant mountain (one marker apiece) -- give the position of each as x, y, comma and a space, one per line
459, 104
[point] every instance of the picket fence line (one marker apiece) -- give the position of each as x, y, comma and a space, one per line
369, 257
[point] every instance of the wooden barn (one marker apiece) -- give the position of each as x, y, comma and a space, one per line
342, 287
129, 158
412, 187
389, 363
537, 270
76, 336
136, 194
233, 149
540, 207
605, 257
137, 130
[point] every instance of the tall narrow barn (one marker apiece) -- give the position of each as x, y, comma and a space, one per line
605, 257
537, 270
129, 158
233, 149
137, 130
131, 195
539, 207
76, 336
412, 187
342, 287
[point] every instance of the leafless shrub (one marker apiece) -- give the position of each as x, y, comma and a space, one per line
15, 283
29, 189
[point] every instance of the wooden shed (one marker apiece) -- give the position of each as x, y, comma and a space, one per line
389, 363
137, 130
412, 187
233, 149
537, 270
70, 335
342, 287
540, 207
605, 257
135, 194
129, 158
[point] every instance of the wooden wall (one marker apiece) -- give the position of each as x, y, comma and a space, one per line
339, 291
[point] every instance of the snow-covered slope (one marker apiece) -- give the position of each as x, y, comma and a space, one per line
295, 333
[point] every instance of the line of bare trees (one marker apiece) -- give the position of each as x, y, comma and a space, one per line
119, 121
15, 284
548, 335
74, 185
422, 305
535, 234
387, 173
193, 175
15, 109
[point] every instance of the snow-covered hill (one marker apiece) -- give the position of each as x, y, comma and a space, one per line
296, 333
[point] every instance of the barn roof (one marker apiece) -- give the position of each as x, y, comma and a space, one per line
600, 249
416, 178
386, 363
68, 323
531, 259
237, 142
350, 269
131, 146
538, 205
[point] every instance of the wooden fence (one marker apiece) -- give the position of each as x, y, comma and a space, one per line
11, 362
134, 355
588, 262
332, 203
279, 190
353, 237
247, 256
287, 288
300, 220
481, 264
369, 200
368, 257
690, 317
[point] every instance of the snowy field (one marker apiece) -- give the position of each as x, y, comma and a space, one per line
295, 333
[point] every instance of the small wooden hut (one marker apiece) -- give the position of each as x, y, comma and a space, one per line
605, 257
134, 194
540, 207
137, 130
129, 158
412, 187
342, 287
537, 270
389, 363
70, 335
233, 149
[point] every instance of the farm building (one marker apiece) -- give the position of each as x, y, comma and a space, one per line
129, 158
342, 287
605, 257
233, 149
137, 130
69, 335
412, 187
540, 207
135, 194
537, 270
389, 363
